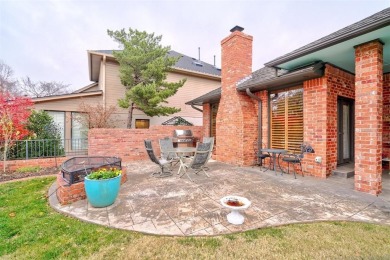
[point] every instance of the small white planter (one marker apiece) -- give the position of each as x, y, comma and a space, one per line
236, 204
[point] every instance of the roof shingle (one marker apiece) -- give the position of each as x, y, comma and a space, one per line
185, 62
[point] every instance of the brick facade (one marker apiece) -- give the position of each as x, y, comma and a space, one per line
369, 117
206, 119
386, 118
236, 118
128, 143
320, 117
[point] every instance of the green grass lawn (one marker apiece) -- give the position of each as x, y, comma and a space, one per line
30, 229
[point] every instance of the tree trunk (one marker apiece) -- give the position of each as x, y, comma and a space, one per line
5, 154
130, 115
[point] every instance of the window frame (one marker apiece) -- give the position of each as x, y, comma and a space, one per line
143, 119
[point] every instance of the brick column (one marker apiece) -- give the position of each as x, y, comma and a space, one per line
206, 119
368, 117
237, 115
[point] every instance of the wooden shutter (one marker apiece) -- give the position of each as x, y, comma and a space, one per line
295, 119
287, 119
278, 120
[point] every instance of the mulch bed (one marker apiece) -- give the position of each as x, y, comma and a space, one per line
9, 176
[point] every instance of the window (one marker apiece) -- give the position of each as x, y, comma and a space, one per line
287, 118
79, 132
142, 123
59, 120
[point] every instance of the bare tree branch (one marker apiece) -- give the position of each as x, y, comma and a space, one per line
7, 82
96, 116
43, 88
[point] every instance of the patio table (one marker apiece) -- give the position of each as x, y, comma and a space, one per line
274, 152
181, 151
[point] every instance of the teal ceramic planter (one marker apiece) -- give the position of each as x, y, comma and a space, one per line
102, 193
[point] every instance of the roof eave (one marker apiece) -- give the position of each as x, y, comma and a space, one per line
202, 99
67, 96
343, 37
195, 73
296, 77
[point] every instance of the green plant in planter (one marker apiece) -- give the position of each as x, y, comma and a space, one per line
102, 186
103, 174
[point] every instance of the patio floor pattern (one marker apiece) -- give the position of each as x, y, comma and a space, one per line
176, 206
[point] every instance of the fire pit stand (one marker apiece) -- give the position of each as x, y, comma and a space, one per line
75, 169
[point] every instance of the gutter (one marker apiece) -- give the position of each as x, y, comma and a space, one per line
301, 75
259, 118
196, 108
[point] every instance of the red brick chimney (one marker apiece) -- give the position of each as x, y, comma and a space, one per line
237, 114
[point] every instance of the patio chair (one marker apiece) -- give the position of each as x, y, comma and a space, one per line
166, 147
296, 158
211, 141
160, 162
260, 156
199, 160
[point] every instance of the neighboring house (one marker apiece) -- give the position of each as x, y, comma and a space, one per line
333, 93
107, 89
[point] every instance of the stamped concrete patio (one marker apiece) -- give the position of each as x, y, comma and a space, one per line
174, 206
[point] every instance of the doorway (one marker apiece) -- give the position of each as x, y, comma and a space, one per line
345, 130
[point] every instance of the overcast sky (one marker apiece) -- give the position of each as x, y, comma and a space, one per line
48, 40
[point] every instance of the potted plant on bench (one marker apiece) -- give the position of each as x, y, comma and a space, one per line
102, 186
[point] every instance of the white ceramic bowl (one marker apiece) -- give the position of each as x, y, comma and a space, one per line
246, 203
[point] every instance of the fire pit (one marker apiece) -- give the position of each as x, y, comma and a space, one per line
236, 204
75, 169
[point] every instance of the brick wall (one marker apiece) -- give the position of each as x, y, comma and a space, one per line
128, 143
369, 117
67, 194
236, 118
386, 117
43, 163
320, 117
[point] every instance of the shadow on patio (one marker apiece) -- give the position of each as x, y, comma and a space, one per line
174, 206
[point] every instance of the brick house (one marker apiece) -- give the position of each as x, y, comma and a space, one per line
333, 93
106, 89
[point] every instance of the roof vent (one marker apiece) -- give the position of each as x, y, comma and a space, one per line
197, 63
237, 28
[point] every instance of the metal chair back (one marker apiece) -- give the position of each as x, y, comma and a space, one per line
166, 145
149, 150
201, 155
211, 141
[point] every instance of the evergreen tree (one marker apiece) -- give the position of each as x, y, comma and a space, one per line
143, 67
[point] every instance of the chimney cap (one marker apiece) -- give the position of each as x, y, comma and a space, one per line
237, 28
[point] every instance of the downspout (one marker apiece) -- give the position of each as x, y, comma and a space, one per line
196, 108
259, 118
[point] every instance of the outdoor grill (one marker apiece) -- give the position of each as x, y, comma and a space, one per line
75, 169
183, 138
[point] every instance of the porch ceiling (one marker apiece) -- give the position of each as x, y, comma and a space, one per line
343, 53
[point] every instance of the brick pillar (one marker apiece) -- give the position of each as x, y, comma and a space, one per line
368, 117
206, 119
237, 115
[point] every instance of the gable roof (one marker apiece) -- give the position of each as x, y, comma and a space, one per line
185, 62
364, 26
